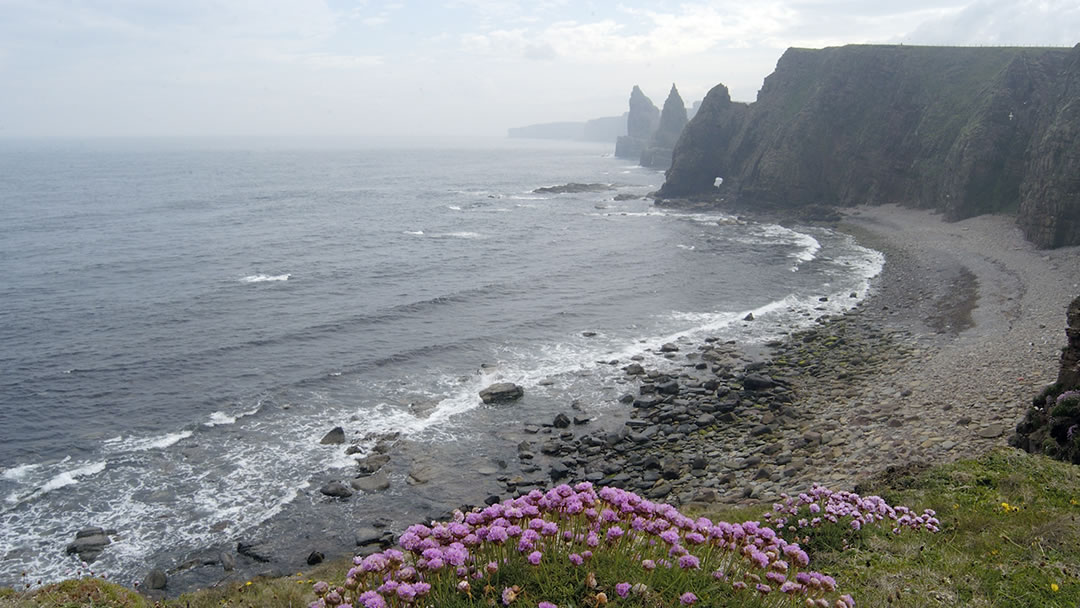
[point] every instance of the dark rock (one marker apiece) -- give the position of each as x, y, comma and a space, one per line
761, 429
89, 544
501, 392
580, 420
573, 188
334, 437
749, 317
253, 550
669, 347
559, 471
1069, 372
660, 490
155, 579
228, 561
372, 463
366, 536
671, 387
634, 369
314, 558
758, 382
371, 483
421, 473
561, 421
336, 489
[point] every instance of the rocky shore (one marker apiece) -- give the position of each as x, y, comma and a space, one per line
937, 363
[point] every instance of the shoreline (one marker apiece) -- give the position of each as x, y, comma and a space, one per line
921, 370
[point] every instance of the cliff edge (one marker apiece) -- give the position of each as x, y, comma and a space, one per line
962, 130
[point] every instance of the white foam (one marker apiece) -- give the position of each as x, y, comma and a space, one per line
453, 207
262, 278
68, 478
219, 418
142, 444
18, 472
415, 232
459, 235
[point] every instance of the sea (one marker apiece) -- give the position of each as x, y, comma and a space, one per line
182, 320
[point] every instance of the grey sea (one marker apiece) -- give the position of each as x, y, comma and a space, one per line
181, 321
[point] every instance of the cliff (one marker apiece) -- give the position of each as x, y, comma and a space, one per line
961, 130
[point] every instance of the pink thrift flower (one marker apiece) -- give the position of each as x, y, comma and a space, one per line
622, 589
534, 558
687, 598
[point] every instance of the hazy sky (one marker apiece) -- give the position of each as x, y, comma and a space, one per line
453, 67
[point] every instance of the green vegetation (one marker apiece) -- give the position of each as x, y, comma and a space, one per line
1009, 537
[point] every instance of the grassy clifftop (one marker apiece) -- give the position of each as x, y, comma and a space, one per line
1010, 538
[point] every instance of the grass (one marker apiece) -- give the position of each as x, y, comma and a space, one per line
1010, 537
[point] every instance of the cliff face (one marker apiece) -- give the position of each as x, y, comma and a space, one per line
962, 130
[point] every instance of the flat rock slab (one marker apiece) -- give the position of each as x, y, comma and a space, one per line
371, 483
501, 392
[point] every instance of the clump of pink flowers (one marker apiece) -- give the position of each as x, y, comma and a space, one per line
822, 507
601, 546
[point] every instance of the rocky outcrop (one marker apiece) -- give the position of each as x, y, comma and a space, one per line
1052, 425
641, 122
89, 543
961, 130
672, 120
501, 392
1069, 374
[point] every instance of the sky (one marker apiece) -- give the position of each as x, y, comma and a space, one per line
453, 67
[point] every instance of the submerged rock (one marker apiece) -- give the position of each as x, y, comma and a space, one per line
89, 543
334, 437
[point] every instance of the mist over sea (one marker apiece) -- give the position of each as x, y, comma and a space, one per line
181, 321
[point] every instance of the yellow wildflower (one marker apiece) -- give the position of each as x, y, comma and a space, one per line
1054, 587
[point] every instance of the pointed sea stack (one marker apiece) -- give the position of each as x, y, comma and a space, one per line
657, 154
641, 122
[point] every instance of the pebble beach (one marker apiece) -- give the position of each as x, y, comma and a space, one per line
963, 327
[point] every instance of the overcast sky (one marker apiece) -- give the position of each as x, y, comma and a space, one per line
453, 67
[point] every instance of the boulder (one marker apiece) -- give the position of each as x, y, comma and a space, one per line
561, 421
315, 558
757, 382
501, 392
336, 489
155, 579
254, 550
372, 463
89, 543
336, 436
371, 483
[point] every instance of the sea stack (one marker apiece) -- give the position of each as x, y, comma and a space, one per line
657, 154
641, 122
